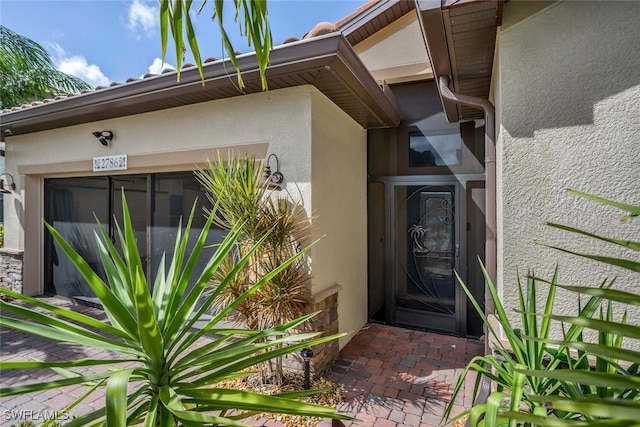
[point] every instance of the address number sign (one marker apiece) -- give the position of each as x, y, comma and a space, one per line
110, 163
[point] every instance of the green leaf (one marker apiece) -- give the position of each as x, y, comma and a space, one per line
36, 364
609, 294
116, 398
631, 331
618, 262
595, 349
65, 336
164, 26
173, 404
98, 417
114, 309
600, 379
624, 243
517, 392
548, 421
28, 388
200, 356
493, 406
634, 210
63, 312
191, 38
616, 409
57, 324
152, 412
216, 398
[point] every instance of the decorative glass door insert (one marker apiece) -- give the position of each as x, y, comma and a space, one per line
426, 252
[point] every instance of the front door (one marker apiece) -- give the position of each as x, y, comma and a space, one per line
427, 252
428, 235
426, 216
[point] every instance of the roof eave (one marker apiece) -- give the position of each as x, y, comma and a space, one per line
293, 64
447, 51
362, 23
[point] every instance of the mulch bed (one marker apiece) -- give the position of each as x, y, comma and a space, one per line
292, 382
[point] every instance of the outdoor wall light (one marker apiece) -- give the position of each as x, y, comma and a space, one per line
6, 186
274, 180
104, 136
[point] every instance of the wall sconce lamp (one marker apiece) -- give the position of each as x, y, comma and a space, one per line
103, 136
274, 180
6, 186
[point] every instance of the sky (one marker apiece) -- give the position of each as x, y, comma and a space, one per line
104, 41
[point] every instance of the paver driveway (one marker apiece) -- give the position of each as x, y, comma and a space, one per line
392, 376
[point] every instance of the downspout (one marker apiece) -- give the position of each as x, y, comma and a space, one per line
490, 183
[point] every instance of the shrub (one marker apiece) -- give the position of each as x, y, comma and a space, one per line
565, 382
237, 186
173, 382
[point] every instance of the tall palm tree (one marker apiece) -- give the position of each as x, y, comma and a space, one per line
27, 73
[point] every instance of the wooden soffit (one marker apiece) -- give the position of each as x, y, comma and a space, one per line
460, 37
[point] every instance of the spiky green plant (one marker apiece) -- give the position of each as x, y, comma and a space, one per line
237, 186
173, 382
583, 383
606, 392
513, 390
251, 17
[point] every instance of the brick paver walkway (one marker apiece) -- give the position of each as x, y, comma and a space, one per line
392, 376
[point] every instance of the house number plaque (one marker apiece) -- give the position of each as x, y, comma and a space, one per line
117, 162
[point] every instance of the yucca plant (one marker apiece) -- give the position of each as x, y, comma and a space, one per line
504, 368
237, 186
608, 392
172, 381
579, 383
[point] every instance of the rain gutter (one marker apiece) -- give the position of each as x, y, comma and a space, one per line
490, 178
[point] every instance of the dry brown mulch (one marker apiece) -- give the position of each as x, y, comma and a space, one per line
460, 422
292, 382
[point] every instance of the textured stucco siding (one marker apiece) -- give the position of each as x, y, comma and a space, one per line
279, 120
321, 151
397, 52
339, 200
567, 92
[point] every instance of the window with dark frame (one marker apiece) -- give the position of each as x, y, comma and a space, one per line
434, 149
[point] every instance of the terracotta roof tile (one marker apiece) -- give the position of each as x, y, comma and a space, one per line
319, 29
357, 12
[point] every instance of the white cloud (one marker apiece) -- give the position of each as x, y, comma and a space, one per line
143, 16
79, 67
157, 66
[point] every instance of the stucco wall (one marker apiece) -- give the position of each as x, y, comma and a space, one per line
160, 141
339, 199
397, 52
567, 91
314, 140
